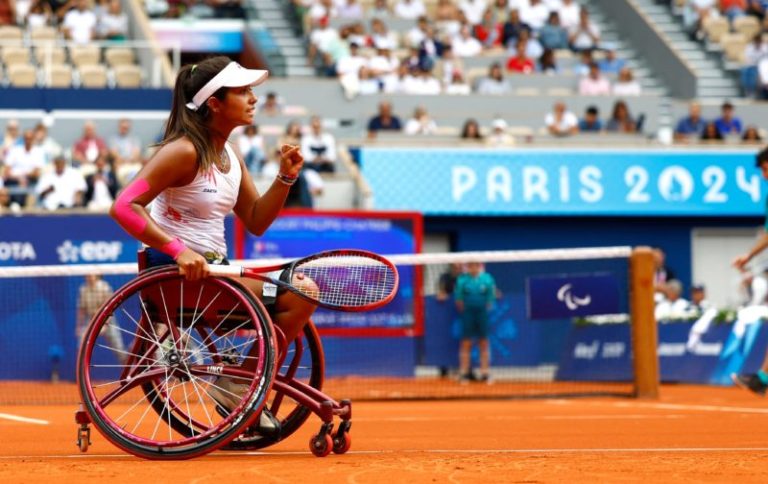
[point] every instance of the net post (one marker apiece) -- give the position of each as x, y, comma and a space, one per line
644, 331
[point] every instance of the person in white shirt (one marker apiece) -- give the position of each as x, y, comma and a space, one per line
458, 86
420, 123
322, 10
349, 9
473, 10
350, 64
465, 45
535, 14
561, 122
494, 83
79, 24
673, 306
23, 165
418, 33
251, 146
381, 36
125, 147
61, 188
423, 83
569, 13
499, 137
383, 66
410, 9
585, 35
626, 85
113, 25
49, 145
594, 84
319, 148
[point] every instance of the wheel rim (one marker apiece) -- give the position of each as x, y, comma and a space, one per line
155, 394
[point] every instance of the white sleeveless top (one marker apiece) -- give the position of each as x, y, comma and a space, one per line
195, 212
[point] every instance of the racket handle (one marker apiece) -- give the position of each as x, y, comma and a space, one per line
227, 271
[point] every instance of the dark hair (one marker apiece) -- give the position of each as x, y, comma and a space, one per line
194, 124
592, 110
761, 157
716, 135
465, 129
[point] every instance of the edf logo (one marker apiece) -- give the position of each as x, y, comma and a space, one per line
89, 251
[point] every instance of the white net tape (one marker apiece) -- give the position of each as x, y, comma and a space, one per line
618, 252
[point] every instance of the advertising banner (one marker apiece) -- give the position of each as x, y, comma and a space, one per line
569, 295
564, 182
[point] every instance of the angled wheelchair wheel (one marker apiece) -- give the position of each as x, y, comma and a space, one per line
194, 373
303, 362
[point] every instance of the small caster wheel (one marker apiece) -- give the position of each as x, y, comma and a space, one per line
342, 441
84, 439
320, 445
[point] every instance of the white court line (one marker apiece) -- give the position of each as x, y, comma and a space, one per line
705, 408
528, 418
19, 418
599, 450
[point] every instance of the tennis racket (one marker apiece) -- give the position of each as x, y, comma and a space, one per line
345, 280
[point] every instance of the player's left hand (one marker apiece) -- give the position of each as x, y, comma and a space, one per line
291, 160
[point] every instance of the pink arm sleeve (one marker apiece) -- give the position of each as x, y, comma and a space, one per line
125, 215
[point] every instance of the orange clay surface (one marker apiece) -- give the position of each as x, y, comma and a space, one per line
690, 434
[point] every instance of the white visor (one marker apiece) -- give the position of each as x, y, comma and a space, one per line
234, 75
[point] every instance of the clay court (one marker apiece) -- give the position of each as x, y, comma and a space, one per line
692, 434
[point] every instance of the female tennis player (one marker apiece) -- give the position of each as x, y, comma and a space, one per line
195, 179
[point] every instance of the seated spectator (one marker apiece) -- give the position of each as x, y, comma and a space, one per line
673, 306
611, 64
751, 135
39, 15
49, 145
251, 146
384, 120
11, 137
753, 53
548, 63
124, 147
488, 31
510, 30
626, 85
420, 123
321, 38
569, 13
694, 14
552, 35
23, 165
322, 11
585, 35
591, 122
458, 86
594, 84
691, 126
534, 14
494, 83
621, 120
7, 12
380, 9
272, 105
585, 60
520, 62
101, 185
381, 36
711, 132
350, 64
728, 124
366, 84
318, 148
471, 130
447, 17
500, 9
416, 34
499, 137
409, 9
464, 45
533, 48
422, 83
79, 23
88, 147
473, 10
431, 49
561, 122
292, 134
349, 9
5, 201
383, 66
113, 25
61, 188
447, 67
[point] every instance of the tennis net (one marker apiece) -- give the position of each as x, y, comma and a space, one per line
561, 322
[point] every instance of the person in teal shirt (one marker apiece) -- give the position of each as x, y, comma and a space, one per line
474, 294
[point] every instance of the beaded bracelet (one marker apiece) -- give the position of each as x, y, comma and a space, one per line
287, 180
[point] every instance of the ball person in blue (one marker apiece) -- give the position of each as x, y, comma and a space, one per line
474, 294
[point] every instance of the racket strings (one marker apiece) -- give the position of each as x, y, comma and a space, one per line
346, 280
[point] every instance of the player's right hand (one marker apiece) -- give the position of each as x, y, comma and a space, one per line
192, 265
740, 262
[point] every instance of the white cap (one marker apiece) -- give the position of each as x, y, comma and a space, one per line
499, 123
234, 75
